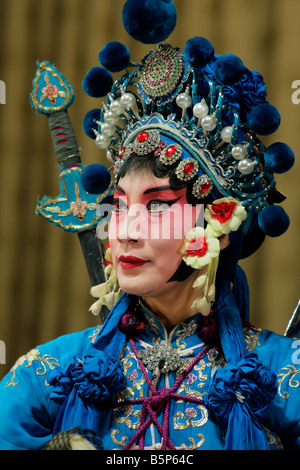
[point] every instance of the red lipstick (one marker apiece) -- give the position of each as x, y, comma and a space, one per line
131, 262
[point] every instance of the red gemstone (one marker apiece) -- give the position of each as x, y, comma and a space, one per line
188, 168
122, 151
170, 151
204, 187
143, 136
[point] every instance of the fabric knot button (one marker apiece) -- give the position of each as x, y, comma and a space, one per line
95, 379
165, 393
159, 397
249, 384
143, 136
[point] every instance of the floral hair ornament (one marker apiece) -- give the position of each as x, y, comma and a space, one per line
108, 292
224, 216
201, 247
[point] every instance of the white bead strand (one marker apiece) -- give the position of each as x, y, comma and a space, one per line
226, 134
184, 101
209, 122
246, 166
239, 152
128, 101
200, 110
102, 142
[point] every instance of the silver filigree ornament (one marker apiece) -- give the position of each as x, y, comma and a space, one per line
146, 142
161, 357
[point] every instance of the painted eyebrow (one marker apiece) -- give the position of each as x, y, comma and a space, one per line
157, 188
147, 191
120, 189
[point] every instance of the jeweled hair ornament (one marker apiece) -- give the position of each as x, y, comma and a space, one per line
211, 106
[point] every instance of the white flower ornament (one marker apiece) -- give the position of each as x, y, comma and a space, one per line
199, 248
224, 215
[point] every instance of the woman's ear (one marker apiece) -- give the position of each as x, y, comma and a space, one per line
224, 241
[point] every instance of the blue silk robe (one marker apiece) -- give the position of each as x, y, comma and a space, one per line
28, 412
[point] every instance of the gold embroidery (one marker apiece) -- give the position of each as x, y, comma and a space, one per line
127, 411
194, 445
65, 94
46, 210
33, 355
126, 359
189, 415
95, 334
127, 362
291, 372
192, 377
121, 443
251, 339
272, 438
186, 331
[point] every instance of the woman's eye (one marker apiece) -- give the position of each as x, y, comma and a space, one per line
119, 205
156, 207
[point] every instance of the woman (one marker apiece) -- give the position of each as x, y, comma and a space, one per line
176, 365
169, 353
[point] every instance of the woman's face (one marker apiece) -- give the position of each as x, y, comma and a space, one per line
146, 232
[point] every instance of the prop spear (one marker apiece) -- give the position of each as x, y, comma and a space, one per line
74, 210
293, 328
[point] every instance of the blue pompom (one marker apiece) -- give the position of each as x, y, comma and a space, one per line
264, 119
149, 21
89, 124
229, 69
198, 52
95, 178
114, 56
97, 82
273, 221
279, 157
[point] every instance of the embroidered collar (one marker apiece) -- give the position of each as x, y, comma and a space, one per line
179, 337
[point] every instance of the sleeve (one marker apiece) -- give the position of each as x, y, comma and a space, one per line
27, 413
282, 354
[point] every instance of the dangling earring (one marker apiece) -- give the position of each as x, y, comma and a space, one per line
109, 292
202, 247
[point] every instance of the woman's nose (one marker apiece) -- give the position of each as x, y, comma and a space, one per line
133, 224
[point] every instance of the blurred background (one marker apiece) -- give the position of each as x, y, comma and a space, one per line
44, 284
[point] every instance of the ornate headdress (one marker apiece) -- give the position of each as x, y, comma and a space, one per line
201, 114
